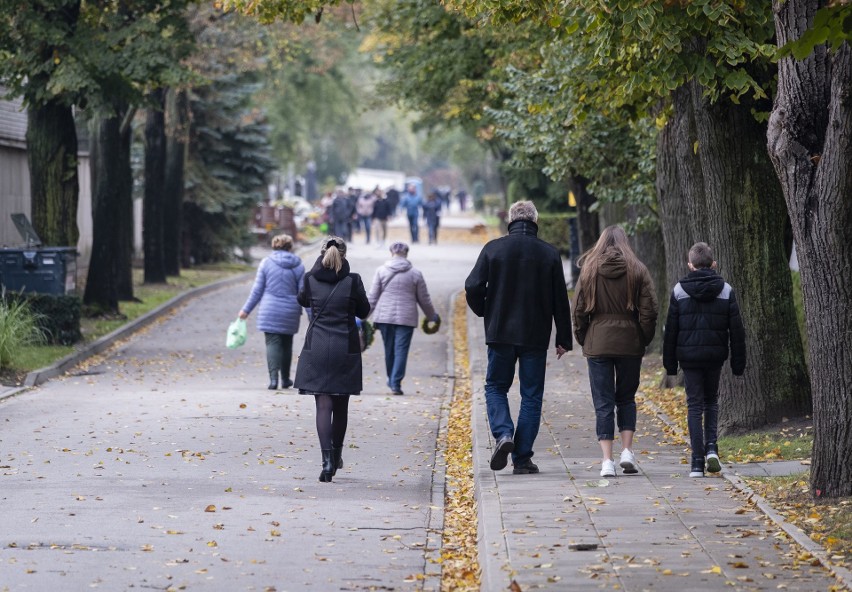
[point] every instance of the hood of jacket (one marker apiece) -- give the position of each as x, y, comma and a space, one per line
613, 264
285, 259
324, 274
398, 264
703, 284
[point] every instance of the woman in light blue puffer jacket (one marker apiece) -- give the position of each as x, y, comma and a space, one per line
278, 281
398, 289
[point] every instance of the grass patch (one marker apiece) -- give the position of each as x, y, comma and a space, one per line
794, 442
828, 523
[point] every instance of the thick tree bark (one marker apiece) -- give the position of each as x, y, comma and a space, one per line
176, 134
746, 218
810, 142
101, 283
124, 178
650, 248
155, 177
54, 184
588, 223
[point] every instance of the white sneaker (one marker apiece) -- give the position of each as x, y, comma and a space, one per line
713, 464
607, 468
628, 462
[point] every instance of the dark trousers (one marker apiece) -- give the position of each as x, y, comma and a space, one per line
614, 382
702, 404
279, 353
499, 376
414, 227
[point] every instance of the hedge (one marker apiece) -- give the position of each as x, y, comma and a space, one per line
553, 228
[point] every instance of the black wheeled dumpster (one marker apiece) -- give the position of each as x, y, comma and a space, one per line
37, 269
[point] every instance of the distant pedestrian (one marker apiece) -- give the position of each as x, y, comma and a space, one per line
411, 202
518, 285
329, 366
364, 208
462, 197
342, 210
704, 318
397, 290
432, 213
615, 316
276, 286
382, 210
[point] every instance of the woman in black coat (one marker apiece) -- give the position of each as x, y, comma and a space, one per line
329, 366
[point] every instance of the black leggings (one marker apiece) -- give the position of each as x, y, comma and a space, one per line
332, 416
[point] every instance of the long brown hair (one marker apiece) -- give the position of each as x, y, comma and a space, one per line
613, 239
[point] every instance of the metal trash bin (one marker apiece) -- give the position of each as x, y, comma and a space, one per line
37, 269
44, 270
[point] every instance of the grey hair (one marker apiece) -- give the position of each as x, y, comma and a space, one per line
523, 210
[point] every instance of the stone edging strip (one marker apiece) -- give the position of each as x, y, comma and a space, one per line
843, 575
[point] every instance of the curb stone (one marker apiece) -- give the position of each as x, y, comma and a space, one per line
843, 575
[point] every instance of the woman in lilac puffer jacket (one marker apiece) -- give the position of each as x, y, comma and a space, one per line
397, 290
278, 281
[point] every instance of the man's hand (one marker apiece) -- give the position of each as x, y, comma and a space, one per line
560, 351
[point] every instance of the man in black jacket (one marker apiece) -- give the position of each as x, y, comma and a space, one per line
518, 285
703, 318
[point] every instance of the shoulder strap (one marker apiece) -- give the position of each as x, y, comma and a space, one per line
322, 307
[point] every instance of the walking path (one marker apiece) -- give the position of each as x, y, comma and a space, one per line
165, 463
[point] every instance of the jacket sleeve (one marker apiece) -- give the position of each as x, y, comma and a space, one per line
423, 298
670, 331
476, 285
304, 297
362, 305
738, 337
256, 289
648, 309
561, 307
375, 289
580, 316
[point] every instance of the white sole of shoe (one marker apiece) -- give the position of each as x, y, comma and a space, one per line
696, 474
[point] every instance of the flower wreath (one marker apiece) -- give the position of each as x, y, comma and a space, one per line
430, 328
366, 333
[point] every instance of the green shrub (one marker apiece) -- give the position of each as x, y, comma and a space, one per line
19, 326
57, 317
553, 228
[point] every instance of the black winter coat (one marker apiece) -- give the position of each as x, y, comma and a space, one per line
330, 361
703, 319
518, 285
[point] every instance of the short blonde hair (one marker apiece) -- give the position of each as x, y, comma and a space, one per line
282, 242
523, 210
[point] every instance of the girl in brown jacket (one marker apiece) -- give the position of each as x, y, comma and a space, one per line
615, 316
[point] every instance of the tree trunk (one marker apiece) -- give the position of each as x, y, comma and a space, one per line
124, 178
649, 247
102, 281
176, 136
155, 177
810, 142
746, 219
589, 225
54, 185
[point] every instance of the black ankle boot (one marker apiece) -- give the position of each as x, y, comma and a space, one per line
337, 459
327, 466
273, 380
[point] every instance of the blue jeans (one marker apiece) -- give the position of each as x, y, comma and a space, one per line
397, 340
702, 404
413, 226
614, 382
366, 223
498, 378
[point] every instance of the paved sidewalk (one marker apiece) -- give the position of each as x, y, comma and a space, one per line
658, 530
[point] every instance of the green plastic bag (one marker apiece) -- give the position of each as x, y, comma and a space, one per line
236, 334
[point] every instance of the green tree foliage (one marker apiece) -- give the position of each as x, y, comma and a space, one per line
229, 153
